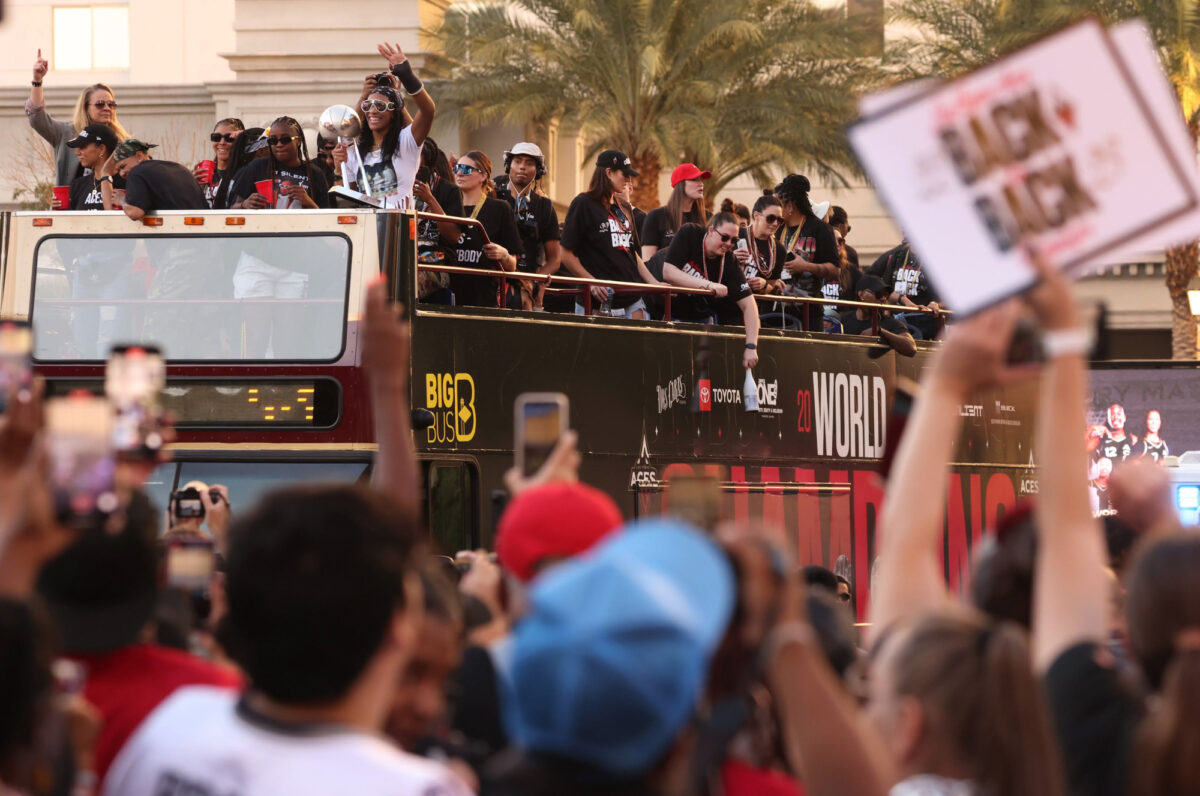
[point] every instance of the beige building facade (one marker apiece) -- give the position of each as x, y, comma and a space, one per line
178, 65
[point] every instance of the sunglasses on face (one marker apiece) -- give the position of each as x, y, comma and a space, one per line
228, 138
103, 104
771, 218
724, 238
282, 139
377, 105
462, 168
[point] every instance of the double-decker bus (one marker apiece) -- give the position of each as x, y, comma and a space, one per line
258, 312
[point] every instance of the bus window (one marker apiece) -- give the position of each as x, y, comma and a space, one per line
159, 485
247, 481
199, 297
452, 496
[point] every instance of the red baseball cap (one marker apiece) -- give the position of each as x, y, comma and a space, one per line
553, 521
688, 171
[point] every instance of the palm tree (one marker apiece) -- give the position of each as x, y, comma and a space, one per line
735, 86
958, 35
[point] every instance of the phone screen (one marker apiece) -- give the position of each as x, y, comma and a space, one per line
541, 426
82, 467
190, 564
133, 379
16, 359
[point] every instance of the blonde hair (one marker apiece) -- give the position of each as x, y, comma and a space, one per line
80, 119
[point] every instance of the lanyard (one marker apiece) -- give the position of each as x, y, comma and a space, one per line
757, 259
787, 244
475, 213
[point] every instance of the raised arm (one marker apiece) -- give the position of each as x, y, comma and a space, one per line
386, 351
35, 107
911, 526
1071, 590
401, 67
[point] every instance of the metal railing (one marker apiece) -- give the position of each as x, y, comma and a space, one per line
875, 309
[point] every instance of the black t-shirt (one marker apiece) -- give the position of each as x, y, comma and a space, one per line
1113, 449
686, 252
85, 194
852, 325
814, 241
258, 170
154, 185
605, 241
430, 247
761, 258
901, 272
497, 218
656, 228
537, 222
832, 288
1095, 714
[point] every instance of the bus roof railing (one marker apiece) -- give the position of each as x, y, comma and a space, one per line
875, 309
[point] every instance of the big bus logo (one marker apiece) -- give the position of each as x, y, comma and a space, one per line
804, 403
451, 399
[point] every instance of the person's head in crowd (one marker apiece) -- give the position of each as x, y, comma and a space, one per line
97, 104
383, 111
607, 669
687, 195
323, 604
420, 697
93, 146
845, 593
611, 177
473, 174
434, 159
722, 234
255, 143
871, 289
840, 221
741, 211
546, 524
954, 695
817, 576
287, 146
1002, 576
225, 137
325, 147
1163, 611
101, 591
525, 165
792, 193
129, 153
766, 216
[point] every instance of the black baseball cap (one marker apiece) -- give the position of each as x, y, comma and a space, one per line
872, 283
616, 159
95, 134
101, 591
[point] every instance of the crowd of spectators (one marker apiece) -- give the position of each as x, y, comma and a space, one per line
785, 246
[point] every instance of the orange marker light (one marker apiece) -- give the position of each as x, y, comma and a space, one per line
193, 221
43, 222
235, 221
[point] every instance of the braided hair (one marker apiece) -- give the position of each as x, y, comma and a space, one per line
794, 190
391, 138
302, 146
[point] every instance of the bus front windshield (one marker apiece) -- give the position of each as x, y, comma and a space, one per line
197, 297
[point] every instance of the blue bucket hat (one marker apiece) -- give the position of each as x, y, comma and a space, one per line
608, 665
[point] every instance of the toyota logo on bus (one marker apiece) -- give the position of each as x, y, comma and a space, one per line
705, 393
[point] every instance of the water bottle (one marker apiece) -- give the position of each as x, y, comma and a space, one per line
750, 392
606, 307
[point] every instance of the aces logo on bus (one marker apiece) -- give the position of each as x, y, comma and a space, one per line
451, 399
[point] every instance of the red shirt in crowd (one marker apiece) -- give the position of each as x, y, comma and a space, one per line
125, 685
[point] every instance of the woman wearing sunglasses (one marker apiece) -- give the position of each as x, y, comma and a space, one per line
762, 257
702, 257
389, 145
472, 174
96, 105
285, 180
225, 139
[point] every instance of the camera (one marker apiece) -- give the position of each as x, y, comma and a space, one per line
383, 79
188, 504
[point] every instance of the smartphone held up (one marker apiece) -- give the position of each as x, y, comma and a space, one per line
539, 420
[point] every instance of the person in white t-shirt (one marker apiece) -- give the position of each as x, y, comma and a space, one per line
323, 608
389, 147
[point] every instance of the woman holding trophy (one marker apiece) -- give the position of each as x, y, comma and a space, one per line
384, 162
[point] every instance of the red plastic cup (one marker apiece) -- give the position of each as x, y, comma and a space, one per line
62, 193
267, 189
119, 199
207, 169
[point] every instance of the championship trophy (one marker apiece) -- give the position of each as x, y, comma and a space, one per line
342, 122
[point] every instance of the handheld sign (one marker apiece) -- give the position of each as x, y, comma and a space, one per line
1053, 147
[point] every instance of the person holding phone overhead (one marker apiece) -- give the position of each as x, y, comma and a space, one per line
473, 173
96, 105
286, 180
390, 145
